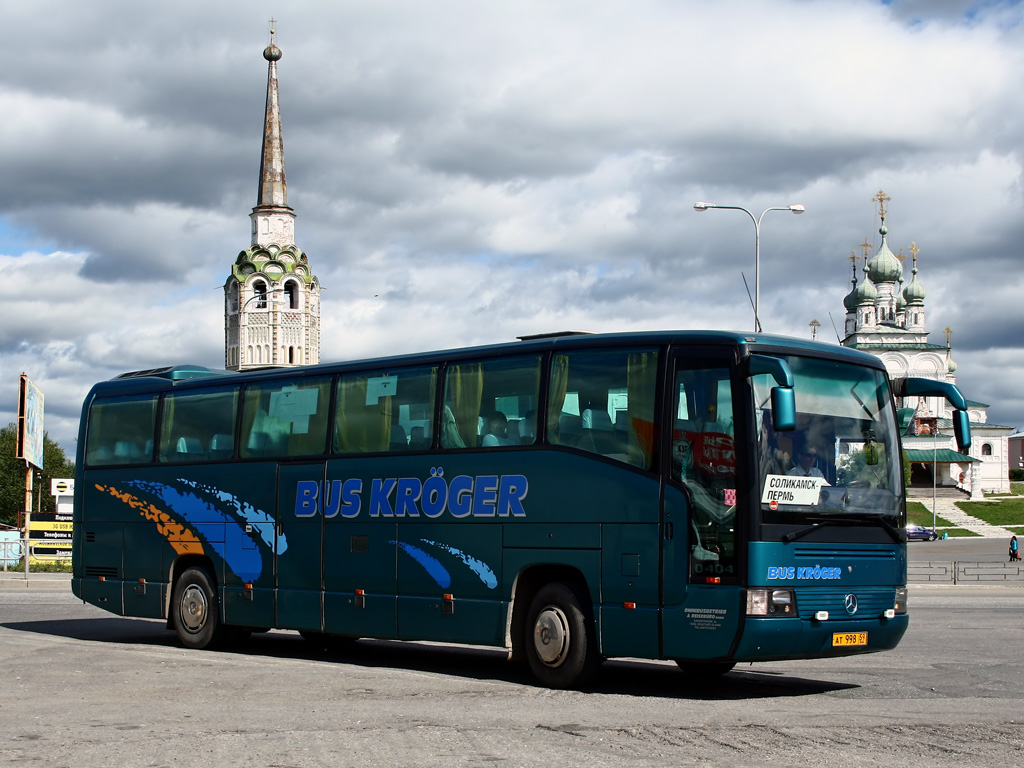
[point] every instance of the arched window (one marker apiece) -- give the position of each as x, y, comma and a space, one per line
259, 290
986, 449
291, 291
233, 302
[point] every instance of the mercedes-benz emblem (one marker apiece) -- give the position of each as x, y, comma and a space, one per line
851, 603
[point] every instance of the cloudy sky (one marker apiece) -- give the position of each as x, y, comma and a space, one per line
466, 172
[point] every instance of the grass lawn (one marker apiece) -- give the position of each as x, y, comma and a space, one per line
1003, 513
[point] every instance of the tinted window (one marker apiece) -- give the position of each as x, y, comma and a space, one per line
285, 418
385, 411
121, 431
602, 401
491, 403
197, 426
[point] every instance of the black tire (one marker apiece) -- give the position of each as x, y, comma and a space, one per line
932, 536
703, 671
558, 638
195, 610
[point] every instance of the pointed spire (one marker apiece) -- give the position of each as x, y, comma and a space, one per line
273, 222
273, 187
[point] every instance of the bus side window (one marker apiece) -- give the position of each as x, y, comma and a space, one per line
385, 411
121, 431
196, 424
285, 418
491, 404
602, 401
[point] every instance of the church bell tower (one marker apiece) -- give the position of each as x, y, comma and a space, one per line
271, 298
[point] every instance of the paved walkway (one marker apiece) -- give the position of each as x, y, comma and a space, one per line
946, 508
12, 579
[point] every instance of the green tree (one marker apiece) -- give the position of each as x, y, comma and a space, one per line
12, 475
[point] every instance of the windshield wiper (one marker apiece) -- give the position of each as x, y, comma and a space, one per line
820, 522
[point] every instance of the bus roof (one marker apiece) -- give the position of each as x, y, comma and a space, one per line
534, 343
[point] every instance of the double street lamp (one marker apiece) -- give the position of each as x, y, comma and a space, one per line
703, 206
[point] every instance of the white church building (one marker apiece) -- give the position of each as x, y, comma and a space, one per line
887, 319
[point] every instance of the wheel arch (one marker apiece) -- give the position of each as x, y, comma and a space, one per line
527, 583
178, 567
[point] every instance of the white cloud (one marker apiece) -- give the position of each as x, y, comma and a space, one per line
465, 173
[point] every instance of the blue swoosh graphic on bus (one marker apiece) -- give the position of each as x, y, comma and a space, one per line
262, 523
479, 567
222, 532
430, 564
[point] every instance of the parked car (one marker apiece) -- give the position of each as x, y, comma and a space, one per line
920, 533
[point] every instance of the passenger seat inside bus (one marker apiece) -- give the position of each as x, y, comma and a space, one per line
450, 437
221, 446
189, 445
125, 451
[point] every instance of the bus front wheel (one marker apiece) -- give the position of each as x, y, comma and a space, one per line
195, 613
559, 638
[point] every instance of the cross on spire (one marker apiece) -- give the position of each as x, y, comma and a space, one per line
881, 198
914, 250
866, 247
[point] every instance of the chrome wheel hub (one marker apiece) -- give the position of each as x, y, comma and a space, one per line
551, 636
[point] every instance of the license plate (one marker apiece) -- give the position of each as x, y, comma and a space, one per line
850, 638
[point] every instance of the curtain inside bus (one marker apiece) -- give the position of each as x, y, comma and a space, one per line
463, 393
362, 423
556, 394
641, 369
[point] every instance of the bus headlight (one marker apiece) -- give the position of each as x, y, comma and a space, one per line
770, 602
901, 600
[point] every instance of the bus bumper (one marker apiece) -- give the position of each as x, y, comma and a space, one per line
796, 638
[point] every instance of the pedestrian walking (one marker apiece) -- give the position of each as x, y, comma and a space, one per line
1014, 550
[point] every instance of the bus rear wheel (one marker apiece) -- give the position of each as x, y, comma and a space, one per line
559, 640
195, 610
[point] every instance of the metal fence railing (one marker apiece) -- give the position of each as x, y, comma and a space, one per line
12, 552
964, 572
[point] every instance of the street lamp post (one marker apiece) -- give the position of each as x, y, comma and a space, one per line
265, 296
703, 206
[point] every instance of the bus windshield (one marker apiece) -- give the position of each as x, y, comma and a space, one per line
842, 460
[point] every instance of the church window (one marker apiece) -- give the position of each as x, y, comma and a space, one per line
259, 289
291, 291
986, 449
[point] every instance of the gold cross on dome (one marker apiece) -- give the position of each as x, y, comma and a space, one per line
881, 198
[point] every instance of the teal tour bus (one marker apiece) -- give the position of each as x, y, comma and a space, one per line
706, 497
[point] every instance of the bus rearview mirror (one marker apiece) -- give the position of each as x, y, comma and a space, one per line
962, 430
783, 409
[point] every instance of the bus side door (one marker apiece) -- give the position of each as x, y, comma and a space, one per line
299, 566
360, 553
702, 597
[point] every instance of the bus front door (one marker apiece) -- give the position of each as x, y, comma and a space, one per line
702, 597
